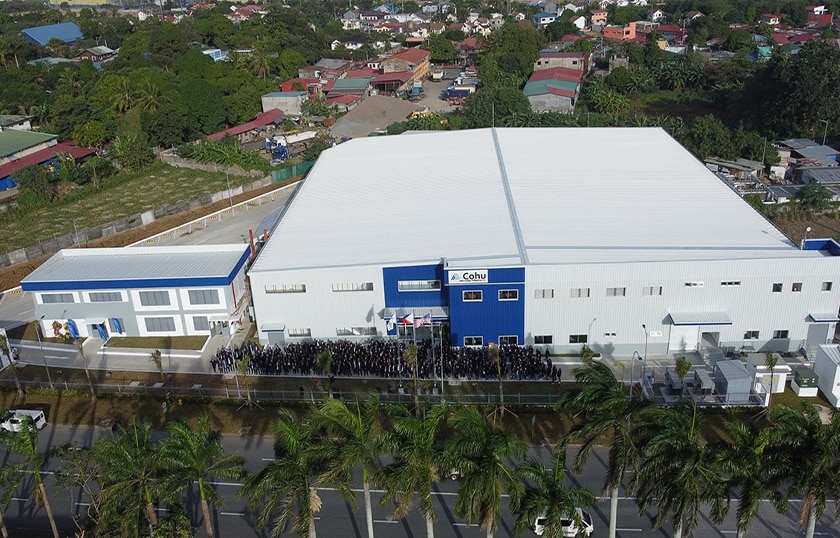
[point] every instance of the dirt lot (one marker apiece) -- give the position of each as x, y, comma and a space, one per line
11, 277
822, 226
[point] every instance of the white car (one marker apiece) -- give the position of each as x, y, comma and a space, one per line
15, 419
570, 529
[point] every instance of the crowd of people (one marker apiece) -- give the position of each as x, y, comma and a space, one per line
386, 358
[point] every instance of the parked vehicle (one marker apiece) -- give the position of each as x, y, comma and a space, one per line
570, 529
282, 147
14, 419
437, 76
458, 93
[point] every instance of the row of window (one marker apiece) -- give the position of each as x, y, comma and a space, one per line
471, 296
336, 287
503, 340
147, 298
577, 293
167, 324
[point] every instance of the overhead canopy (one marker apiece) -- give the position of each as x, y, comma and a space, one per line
273, 327
699, 318
823, 317
418, 311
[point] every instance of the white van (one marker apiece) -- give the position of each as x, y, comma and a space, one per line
569, 528
14, 419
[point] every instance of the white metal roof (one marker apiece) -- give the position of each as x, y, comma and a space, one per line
495, 197
164, 262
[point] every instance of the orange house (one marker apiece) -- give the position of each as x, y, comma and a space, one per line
623, 32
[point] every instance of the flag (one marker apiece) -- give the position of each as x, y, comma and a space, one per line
425, 320
391, 325
408, 319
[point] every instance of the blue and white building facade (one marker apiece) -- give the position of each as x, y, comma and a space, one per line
622, 241
141, 291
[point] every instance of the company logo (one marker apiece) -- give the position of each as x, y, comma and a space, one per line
471, 276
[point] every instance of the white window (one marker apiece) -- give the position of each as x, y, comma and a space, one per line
826, 286
780, 334
352, 286
577, 338
547, 293
609, 335
160, 325
154, 298
52, 298
201, 323
418, 285
473, 340
652, 290
508, 340
751, 335
472, 295
355, 331
543, 339
694, 284
105, 297
508, 295
616, 292
731, 283
204, 297
796, 287
579, 293
299, 332
285, 288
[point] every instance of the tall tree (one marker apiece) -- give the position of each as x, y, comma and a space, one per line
286, 487
479, 449
606, 415
547, 496
417, 462
131, 479
814, 472
678, 474
356, 428
30, 462
195, 455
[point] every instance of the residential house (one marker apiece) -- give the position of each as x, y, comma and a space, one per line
95, 54
414, 60
770, 19
66, 32
199, 6
436, 28
371, 16
310, 85
19, 122
240, 14
798, 150
39, 152
579, 22
343, 103
675, 35
354, 42
430, 8
16, 143
550, 58
823, 20
252, 130
217, 54
620, 32
816, 10
351, 21
289, 102
467, 51
326, 68
657, 15
497, 20
553, 90
357, 86
598, 17
694, 15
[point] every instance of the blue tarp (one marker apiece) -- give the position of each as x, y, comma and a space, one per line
72, 329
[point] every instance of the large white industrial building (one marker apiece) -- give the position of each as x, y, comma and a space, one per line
618, 238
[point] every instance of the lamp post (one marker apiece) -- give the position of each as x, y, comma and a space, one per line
41, 345
633, 360
807, 231
825, 131
644, 359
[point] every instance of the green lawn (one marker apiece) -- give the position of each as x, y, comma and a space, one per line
687, 105
159, 342
121, 196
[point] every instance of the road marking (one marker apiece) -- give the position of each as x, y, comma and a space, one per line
62, 357
82, 504
466, 524
19, 499
267, 459
629, 530
233, 484
241, 514
385, 521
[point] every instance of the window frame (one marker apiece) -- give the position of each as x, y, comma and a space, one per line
826, 286
781, 334
751, 335
578, 338
155, 294
479, 299
514, 291
60, 296
146, 321
543, 340
202, 293
796, 287
778, 287
648, 291
540, 293
109, 294
405, 285
205, 318
476, 341
613, 291
579, 293
507, 341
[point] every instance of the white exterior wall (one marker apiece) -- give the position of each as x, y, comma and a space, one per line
752, 306
319, 309
828, 371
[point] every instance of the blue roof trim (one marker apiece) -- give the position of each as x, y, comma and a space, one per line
239, 264
146, 283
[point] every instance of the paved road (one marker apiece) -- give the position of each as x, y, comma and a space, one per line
338, 519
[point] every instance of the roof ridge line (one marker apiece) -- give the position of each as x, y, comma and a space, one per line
514, 218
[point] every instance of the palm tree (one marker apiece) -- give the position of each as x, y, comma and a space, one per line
124, 96
678, 473
770, 361
155, 357
130, 479
356, 429
4, 349
496, 358
196, 455
410, 358
608, 416
479, 449
814, 472
25, 445
150, 98
287, 484
752, 466
547, 496
417, 466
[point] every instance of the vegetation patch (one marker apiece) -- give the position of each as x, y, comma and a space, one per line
158, 342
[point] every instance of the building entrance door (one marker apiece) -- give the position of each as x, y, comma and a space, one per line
684, 338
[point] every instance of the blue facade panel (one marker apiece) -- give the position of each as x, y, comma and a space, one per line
395, 298
496, 314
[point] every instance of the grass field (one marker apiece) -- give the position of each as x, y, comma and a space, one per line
159, 342
123, 195
664, 103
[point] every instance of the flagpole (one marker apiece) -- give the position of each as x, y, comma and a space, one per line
432, 330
